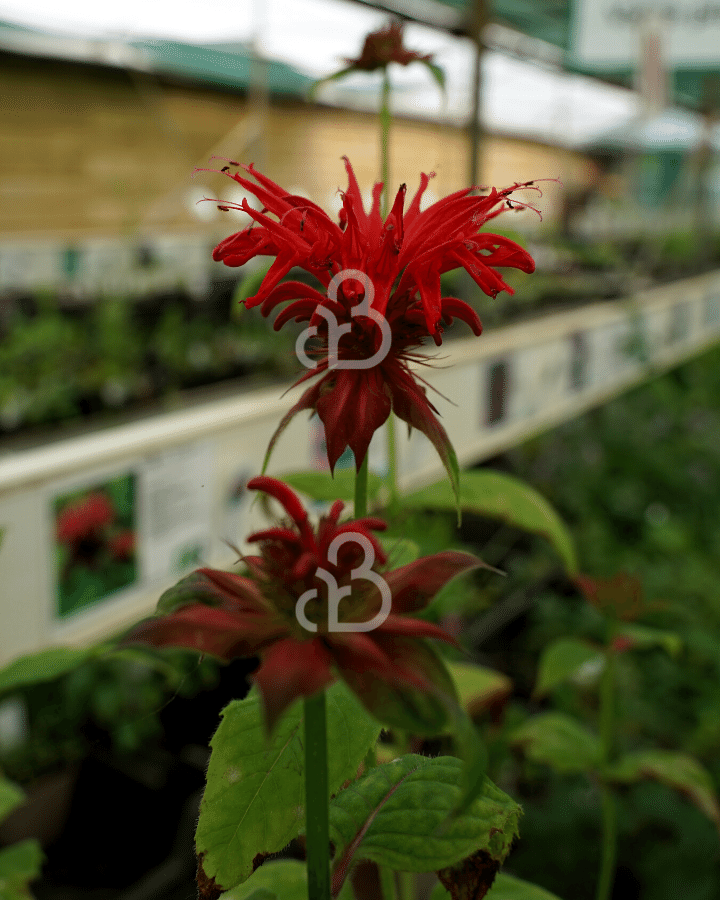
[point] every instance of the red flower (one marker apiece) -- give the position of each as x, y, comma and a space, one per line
403, 258
84, 519
282, 612
383, 47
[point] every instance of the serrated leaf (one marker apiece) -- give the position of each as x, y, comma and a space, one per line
562, 660
10, 797
478, 687
500, 496
325, 488
643, 637
46, 665
19, 865
397, 816
560, 742
676, 770
505, 887
255, 796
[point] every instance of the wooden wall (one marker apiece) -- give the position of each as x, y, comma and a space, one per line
87, 150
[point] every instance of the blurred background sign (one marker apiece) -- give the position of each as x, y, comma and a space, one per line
606, 34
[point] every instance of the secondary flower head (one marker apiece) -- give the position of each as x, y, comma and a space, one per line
263, 614
402, 258
383, 47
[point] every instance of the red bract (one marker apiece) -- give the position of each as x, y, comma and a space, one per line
230, 615
403, 258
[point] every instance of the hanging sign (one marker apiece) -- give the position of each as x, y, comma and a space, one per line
607, 34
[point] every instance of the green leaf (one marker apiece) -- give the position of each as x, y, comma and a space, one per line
562, 660
426, 712
400, 551
452, 467
473, 752
10, 797
505, 887
643, 637
560, 742
46, 665
322, 486
438, 73
255, 796
404, 706
500, 496
19, 865
193, 588
676, 770
249, 285
284, 879
478, 687
316, 85
397, 816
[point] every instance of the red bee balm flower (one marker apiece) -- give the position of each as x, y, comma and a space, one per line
285, 609
383, 47
402, 260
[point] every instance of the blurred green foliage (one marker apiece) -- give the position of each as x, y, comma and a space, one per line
638, 482
111, 699
59, 362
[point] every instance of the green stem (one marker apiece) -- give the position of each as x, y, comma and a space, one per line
387, 876
407, 883
606, 877
385, 119
317, 799
361, 481
385, 141
392, 462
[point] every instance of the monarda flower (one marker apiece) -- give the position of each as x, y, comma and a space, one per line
402, 259
383, 47
283, 611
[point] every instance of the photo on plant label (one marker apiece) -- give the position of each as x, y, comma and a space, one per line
95, 543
